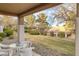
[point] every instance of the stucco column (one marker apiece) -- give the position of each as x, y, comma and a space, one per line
1, 28
20, 30
77, 36
1, 24
77, 31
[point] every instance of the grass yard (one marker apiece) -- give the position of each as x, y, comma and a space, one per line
52, 46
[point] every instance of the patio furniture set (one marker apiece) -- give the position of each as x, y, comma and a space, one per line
16, 50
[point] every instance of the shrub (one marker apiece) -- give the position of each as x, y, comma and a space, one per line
34, 32
11, 37
1, 39
8, 32
2, 34
26, 30
51, 33
69, 34
44, 33
61, 34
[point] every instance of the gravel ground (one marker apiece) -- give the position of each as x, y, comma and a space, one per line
35, 54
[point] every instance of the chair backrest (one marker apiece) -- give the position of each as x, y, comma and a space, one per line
9, 49
26, 44
12, 45
29, 43
26, 51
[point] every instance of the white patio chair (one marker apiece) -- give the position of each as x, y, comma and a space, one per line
26, 51
12, 50
3, 52
6, 50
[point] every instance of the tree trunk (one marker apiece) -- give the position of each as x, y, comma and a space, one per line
65, 35
56, 34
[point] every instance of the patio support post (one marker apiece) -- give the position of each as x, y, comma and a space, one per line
77, 32
1, 24
77, 36
1, 28
20, 30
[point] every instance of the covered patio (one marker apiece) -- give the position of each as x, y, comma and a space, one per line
23, 9
20, 10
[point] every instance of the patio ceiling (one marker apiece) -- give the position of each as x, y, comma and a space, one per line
22, 9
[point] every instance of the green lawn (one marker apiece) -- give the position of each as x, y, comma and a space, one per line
47, 45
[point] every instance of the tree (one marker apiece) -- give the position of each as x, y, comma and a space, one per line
30, 20
68, 16
42, 17
42, 23
10, 22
